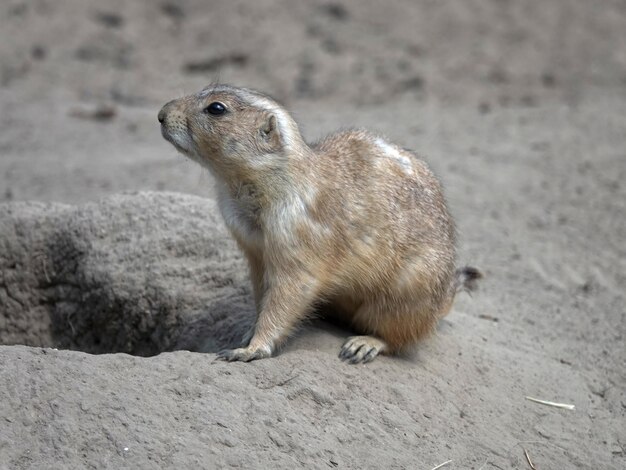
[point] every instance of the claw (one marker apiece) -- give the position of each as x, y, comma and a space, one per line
370, 356
243, 354
361, 349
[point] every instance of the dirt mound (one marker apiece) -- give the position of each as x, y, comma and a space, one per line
152, 272
137, 274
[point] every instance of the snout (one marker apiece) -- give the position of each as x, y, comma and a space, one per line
174, 126
165, 110
171, 119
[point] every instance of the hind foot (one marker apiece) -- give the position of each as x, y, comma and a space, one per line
364, 349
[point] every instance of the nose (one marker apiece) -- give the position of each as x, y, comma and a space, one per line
165, 110
162, 114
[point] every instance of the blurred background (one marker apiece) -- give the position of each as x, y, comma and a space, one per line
81, 81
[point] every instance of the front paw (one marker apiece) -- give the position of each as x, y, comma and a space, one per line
244, 354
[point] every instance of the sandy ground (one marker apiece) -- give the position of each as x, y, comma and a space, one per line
520, 107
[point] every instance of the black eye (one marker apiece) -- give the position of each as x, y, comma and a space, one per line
216, 108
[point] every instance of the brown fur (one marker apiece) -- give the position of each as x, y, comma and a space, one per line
352, 220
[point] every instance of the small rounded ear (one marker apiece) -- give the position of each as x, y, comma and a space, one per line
270, 132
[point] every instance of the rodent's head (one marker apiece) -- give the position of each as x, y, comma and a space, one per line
226, 128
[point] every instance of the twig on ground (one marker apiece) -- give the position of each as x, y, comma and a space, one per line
551, 403
442, 464
519, 443
529, 461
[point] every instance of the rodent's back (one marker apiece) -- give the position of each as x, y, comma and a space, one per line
387, 204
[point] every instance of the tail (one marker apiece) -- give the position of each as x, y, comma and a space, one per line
466, 279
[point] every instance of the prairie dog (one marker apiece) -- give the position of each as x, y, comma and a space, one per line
353, 221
